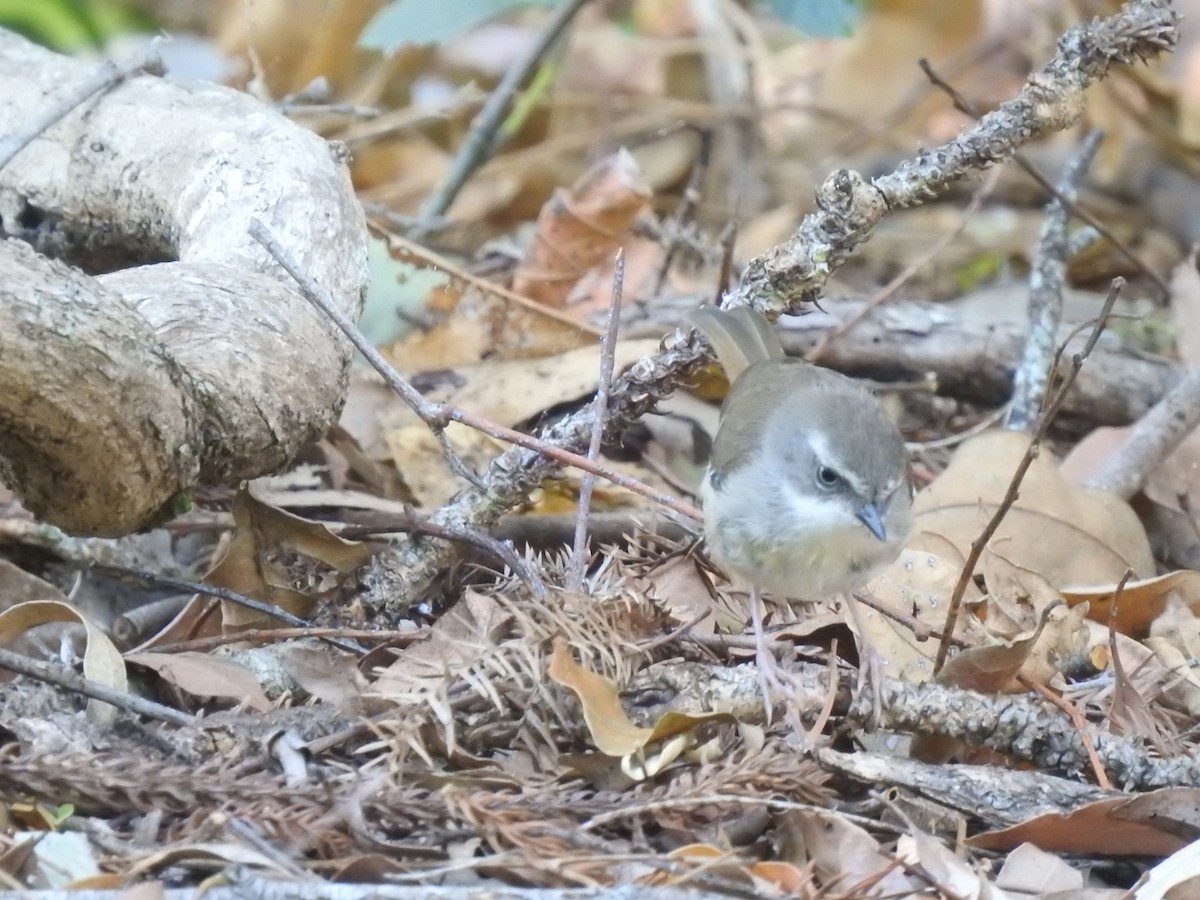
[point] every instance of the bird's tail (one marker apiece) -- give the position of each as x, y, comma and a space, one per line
740, 336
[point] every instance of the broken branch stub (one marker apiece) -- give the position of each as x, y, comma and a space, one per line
186, 356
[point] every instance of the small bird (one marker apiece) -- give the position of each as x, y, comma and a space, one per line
807, 491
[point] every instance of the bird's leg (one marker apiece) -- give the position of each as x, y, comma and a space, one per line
769, 673
870, 666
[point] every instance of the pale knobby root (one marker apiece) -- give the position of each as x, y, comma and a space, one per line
193, 358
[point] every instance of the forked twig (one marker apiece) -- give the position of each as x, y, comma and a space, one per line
1046, 282
438, 415
963, 105
1014, 485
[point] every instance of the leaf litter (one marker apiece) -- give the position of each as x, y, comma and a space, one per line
615, 735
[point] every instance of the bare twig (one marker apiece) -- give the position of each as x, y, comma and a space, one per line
850, 206
429, 413
107, 74
416, 524
963, 105
73, 681
438, 415
685, 211
278, 635
124, 573
1081, 728
608, 352
1046, 280
1152, 439
1014, 486
481, 137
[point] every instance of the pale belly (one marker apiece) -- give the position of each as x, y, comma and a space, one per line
804, 563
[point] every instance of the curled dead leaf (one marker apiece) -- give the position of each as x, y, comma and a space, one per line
1067, 534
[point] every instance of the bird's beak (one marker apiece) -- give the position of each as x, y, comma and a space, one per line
869, 515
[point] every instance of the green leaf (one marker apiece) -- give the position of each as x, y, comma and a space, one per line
421, 22
64, 812
70, 25
819, 18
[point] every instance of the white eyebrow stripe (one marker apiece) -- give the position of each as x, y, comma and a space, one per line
819, 445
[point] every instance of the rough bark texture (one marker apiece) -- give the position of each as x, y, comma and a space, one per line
190, 357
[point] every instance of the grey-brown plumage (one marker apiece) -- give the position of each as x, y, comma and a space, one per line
806, 492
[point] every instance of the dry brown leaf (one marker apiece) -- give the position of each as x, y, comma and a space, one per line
102, 662
422, 464
476, 320
1174, 809
677, 584
508, 392
1095, 829
1016, 597
987, 669
248, 565
205, 676
611, 730
514, 391
579, 228
765, 877
954, 876
846, 854
876, 68
459, 638
1140, 603
1069, 535
1064, 640
990, 669
330, 677
18, 586
916, 586
1175, 640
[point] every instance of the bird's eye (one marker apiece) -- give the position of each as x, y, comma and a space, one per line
827, 478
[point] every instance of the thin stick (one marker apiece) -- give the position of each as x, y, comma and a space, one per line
502, 550
1046, 281
1152, 439
481, 137
1014, 485
963, 105
124, 573
277, 635
73, 681
608, 354
438, 415
1077, 719
107, 74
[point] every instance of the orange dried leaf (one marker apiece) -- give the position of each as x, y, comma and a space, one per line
578, 229
610, 728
